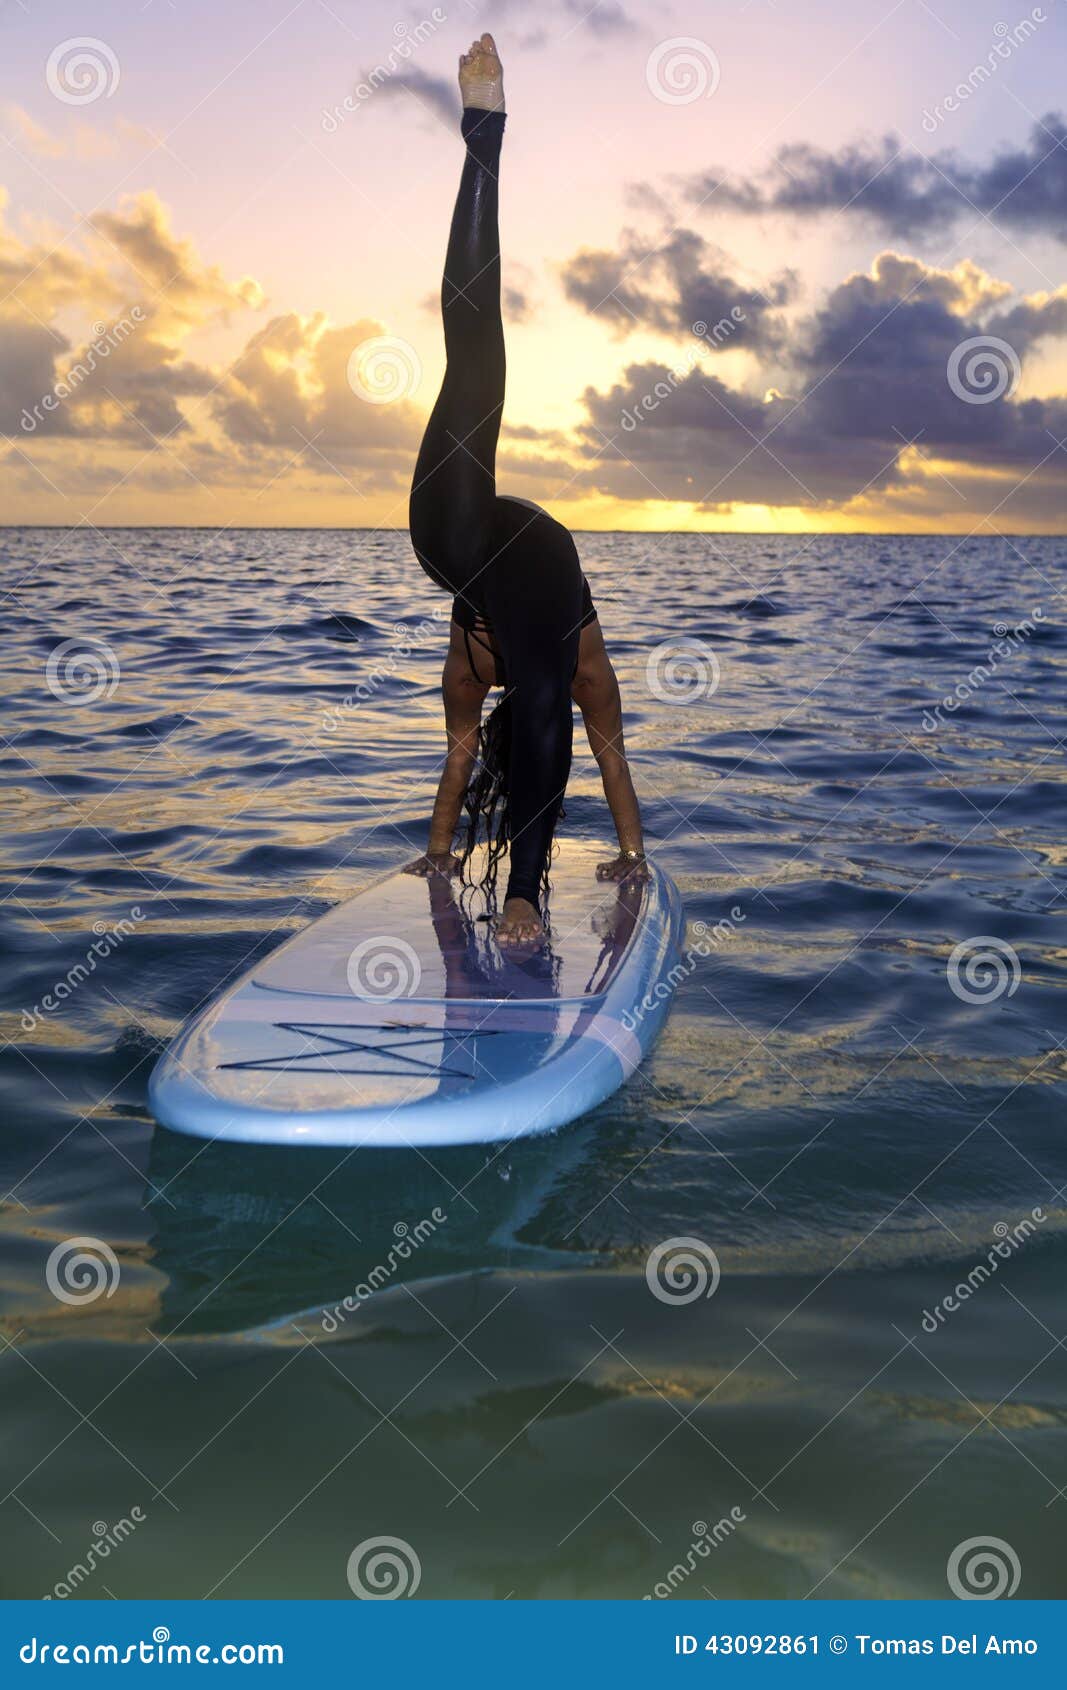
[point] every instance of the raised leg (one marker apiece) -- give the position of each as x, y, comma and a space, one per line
454, 489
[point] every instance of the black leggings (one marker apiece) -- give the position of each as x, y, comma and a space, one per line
516, 568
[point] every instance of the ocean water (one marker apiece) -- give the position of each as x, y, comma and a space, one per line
857, 1105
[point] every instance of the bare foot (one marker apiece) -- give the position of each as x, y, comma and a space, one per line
520, 923
481, 76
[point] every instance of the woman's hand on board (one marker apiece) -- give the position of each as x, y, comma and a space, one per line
434, 862
626, 866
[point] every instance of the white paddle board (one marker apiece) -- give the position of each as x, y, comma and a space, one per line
395, 1019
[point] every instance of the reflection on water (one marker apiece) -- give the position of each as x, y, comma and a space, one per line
239, 1249
826, 1111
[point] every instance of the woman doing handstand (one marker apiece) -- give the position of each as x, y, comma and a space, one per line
522, 615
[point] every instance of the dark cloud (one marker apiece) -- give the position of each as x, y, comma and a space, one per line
903, 192
867, 374
122, 389
437, 95
673, 286
597, 17
1032, 320
712, 444
517, 304
28, 353
873, 361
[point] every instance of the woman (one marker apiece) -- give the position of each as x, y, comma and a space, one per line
522, 615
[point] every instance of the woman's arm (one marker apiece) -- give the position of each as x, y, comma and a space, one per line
595, 690
463, 698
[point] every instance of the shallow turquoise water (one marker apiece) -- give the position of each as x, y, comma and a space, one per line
848, 1133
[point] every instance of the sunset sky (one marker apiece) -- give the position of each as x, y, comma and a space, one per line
194, 224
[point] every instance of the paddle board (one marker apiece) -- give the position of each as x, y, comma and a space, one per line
395, 1019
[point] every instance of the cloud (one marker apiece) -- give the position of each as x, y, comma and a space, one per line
516, 303
439, 97
289, 392
180, 286
39, 278
904, 192
867, 378
841, 407
603, 17
28, 353
554, 22
283, 407
23, 131
436, 95
122, 374
672, 286
80, 140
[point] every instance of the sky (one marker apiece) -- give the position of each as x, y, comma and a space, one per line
778, 265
